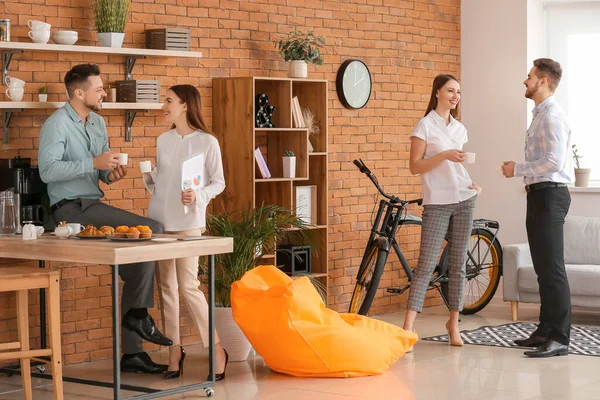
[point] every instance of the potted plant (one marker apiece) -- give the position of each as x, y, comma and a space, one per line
255, 233
110, 19
42, 94
289, 164
301, 49
582, 175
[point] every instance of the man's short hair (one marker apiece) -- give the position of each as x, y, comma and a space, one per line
549, 69
77, 77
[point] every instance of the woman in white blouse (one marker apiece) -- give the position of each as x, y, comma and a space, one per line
449, 197
184, 212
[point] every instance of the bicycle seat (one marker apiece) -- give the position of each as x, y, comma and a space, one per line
409, 219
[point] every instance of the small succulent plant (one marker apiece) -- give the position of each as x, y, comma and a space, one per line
289, 153
42, 90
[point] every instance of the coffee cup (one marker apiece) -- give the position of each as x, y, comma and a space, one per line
38, 25
75, 227
39, 36
123, 157
469, 158
14, 82
145, 167
15, 93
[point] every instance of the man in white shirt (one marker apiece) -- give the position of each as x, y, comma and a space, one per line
547, 171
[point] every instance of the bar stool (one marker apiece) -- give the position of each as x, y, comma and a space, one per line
21, 279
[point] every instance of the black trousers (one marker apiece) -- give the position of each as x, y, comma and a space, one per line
546, 212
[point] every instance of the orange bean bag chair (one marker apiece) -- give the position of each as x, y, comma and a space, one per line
287, 323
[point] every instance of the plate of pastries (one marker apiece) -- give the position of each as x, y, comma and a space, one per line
132, 233
91, 232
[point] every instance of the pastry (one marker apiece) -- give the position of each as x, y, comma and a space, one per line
107, 230
121, 231
145, 231
133, 233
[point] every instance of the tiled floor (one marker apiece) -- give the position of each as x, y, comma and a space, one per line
433, 371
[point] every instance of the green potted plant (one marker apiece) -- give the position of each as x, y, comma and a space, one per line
42, 94
255, 233
289, 164
110, 20
300, 49
582, 175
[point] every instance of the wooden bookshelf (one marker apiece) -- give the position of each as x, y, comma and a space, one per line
234, 125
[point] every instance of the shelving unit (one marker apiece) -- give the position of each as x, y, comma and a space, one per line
233, 124
9, 49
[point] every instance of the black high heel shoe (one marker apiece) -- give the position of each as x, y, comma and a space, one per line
221, 376
177, 374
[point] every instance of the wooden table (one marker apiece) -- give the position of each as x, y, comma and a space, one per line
104, 251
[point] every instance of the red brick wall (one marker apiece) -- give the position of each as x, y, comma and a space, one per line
405, 44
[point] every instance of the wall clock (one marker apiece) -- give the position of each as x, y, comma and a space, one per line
353, 84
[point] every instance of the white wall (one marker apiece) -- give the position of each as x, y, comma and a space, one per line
494, 63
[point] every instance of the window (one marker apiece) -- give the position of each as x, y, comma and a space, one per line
573, 39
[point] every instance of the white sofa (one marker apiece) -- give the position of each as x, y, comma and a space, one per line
582, 261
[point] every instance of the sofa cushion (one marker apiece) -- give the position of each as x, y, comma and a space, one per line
582, 240
584, 280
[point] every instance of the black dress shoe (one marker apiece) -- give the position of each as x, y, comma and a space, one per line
141, 362
549, 349
179, 372
531, 341
147, 330
221, 376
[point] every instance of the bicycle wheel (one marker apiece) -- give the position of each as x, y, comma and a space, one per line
483, 271
368, 277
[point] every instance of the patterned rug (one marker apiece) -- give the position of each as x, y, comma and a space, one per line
584, 340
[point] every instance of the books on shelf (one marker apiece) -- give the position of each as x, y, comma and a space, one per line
297, 114
262, 165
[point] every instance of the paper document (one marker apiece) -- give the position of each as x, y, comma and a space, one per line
192, 175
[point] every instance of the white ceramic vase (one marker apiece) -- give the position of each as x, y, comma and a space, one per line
110, 39
298, 69
289, 167
582, 177
43, 98
232, 338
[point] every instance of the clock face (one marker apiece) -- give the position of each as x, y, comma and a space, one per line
353, 84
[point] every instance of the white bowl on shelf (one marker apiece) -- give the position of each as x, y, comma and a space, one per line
65, 37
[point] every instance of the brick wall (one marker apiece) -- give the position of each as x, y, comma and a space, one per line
405, 44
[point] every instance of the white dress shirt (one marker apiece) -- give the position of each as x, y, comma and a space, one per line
547, 146
164, 182
449, 182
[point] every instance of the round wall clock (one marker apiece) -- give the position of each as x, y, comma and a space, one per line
353, 84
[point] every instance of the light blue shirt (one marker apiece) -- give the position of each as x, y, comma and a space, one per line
547, 146
65, 157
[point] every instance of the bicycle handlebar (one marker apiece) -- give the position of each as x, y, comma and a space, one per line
365, 170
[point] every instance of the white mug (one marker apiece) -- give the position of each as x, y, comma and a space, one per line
38, 25
145, 167
469, 158
76, 227
15, 94
14, 82
123, 158
39, 36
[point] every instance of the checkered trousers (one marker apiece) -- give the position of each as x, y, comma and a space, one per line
456, 220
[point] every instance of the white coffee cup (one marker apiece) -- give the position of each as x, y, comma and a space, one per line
75, 227
145, 167
39, 36
14, 82
38, 25
123, 157
469, 158
15, 93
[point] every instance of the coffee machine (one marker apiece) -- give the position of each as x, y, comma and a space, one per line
31, 197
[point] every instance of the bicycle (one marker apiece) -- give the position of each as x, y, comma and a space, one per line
484, 254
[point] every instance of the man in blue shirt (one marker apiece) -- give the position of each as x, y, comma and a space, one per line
547, 170
72, 158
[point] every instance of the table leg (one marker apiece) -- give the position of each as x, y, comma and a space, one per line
42, 312
211, 318
116, 333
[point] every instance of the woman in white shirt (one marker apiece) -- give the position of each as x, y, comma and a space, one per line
184, 212
449, 197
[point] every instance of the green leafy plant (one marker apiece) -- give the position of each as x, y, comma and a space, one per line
255, 233
576, 156
42, 90
110, 15
301, 46
289, 153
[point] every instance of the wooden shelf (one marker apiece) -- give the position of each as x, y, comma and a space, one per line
280, 179
281, 129
25, 46
317, 153
314, 275
309, 227
30, 105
